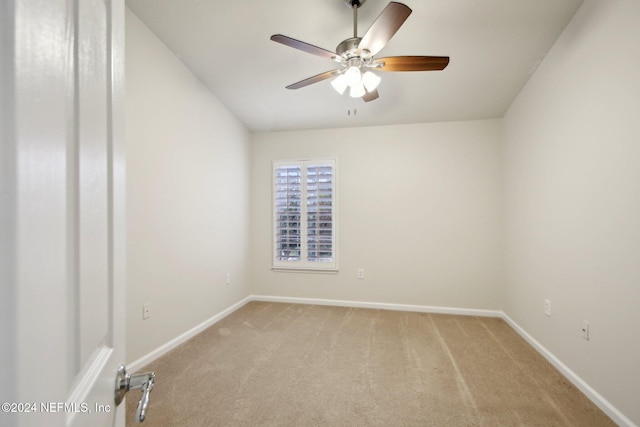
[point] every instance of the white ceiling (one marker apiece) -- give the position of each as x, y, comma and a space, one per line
494, 46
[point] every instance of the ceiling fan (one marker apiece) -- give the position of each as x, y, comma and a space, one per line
355, 55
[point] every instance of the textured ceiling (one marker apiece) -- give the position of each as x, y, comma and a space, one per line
494, 46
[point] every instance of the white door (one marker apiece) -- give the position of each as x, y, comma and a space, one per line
62, 211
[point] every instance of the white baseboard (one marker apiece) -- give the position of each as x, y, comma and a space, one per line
585, 388
164, 349
380, 306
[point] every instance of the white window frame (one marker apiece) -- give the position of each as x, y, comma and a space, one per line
304, 264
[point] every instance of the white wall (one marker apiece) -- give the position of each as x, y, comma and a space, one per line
573, 200
419, 208
187, 196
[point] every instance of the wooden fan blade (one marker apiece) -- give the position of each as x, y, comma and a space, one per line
384, 27
305, 47
371, 96
413, 63
315, 79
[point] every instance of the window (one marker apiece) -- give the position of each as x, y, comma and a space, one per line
304, 215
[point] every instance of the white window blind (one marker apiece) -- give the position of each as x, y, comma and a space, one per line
304, 227
288, 213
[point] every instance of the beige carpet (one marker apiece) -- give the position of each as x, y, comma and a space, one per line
271, 364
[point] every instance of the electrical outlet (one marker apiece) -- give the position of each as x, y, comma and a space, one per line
585, 330
361, 273
547, 308
146, 311
227, 279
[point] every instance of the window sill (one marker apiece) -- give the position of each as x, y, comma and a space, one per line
305, 270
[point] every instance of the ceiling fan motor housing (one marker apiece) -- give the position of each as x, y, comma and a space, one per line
348, 49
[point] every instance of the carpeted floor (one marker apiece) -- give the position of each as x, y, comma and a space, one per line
273, 364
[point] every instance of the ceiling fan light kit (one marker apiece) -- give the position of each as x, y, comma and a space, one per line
370, 80
339, 84
357, 91
352, 74
355, 55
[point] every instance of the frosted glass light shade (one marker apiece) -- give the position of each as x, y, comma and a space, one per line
339, 84
370, 81
352, 76
357, 90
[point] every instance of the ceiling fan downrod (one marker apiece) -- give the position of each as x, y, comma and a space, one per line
348, 48
355, 20
355, 5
